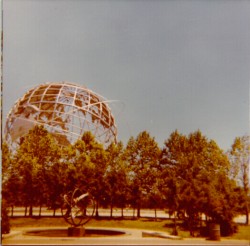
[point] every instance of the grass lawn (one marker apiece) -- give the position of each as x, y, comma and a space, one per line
143, 223
243, 233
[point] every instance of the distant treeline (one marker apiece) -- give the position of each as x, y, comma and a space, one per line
190, 175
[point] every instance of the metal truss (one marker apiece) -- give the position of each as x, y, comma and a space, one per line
66, 110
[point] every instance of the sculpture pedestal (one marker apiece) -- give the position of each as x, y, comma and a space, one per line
76, 231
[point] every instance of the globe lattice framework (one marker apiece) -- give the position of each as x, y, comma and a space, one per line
66, 110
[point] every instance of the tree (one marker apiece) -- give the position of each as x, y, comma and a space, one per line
5, 224
56, 183
195, 168
6, 161
6, 191
98, 159
86, 165
170, 180
37, 152
142, 155
7, 173
116, 176
240, 158
223, 202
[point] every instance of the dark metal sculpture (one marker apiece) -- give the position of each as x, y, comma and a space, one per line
78, 207
66, 110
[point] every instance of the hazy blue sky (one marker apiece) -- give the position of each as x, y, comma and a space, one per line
172, 64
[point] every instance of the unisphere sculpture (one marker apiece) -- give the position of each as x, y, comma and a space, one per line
66, 110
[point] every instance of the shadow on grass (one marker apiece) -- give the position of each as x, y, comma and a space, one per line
182, 226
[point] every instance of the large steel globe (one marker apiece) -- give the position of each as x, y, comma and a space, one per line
66, 110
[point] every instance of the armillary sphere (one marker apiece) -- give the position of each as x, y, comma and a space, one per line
78, 207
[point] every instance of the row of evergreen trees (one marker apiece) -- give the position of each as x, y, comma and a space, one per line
189, 175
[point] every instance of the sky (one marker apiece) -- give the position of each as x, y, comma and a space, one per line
169, 64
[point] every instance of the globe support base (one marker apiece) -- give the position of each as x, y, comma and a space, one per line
76, 231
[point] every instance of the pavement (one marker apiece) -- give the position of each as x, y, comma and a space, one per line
128, 212
130, 237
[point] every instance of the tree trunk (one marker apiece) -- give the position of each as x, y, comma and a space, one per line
155, 215
25, 211
175, 232
191, 226
54, 212
31, 211
40, 210
12, 210
96, 211
247, 216
139, 209
111, 209
122, 212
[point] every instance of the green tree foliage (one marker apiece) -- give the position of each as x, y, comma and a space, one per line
11, 183
98, 162
142, 155
55, 184
196, 179
239, 156
190, 174
85, 166
6, 162
7, 195
33, 159
116, 176
5, 223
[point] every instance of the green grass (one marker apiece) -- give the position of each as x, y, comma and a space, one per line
36, 222
243, 233
114, 223
144, 224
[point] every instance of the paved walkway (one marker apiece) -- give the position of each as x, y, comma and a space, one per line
131, 237
161, 214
